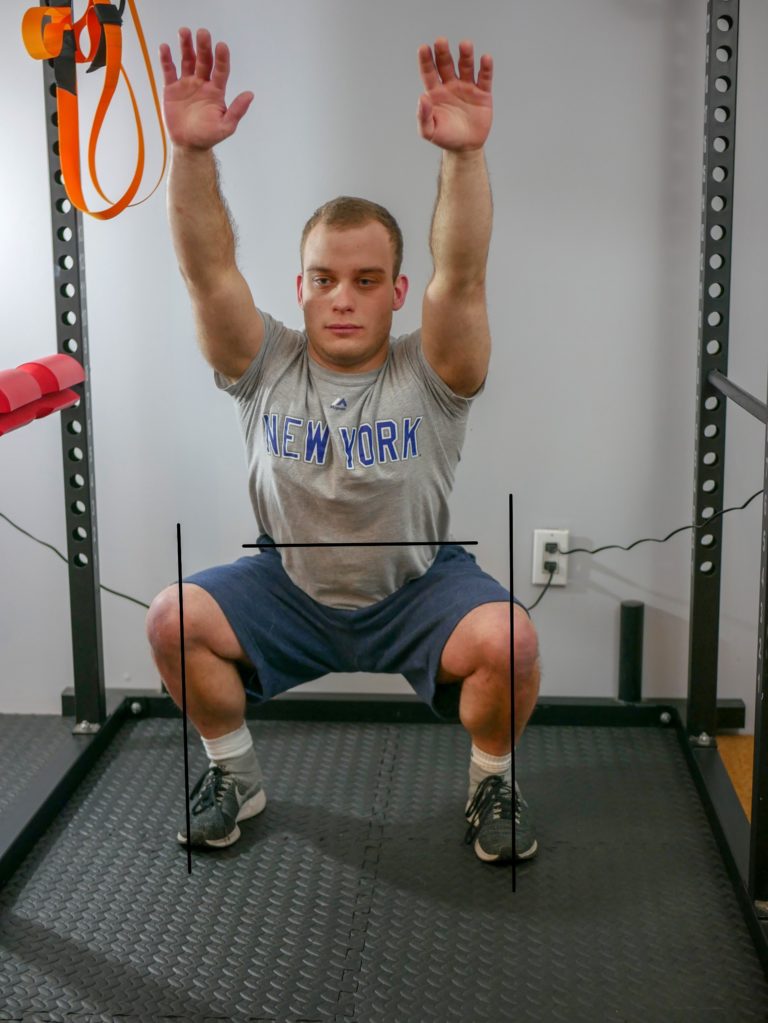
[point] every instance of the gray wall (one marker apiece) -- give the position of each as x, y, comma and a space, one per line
588, 414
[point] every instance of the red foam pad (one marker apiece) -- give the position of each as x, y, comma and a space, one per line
13, 420
36, 410
55, 372
17, 388
54, 403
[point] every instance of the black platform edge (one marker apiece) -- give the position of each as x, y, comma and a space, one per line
604, 711
25, 820
730, 827
383, 708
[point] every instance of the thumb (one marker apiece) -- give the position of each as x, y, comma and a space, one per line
425, 118
237, 110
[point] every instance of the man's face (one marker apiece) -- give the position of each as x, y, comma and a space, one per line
348, 296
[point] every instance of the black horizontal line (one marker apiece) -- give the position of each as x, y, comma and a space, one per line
381, 543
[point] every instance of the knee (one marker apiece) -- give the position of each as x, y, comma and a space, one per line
496, 647
163, 623
526, 646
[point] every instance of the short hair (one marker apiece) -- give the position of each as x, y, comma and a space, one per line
348, 211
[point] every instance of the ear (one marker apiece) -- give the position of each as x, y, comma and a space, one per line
300, 290
401, 290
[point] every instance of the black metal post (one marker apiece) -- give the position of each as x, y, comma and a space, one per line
714, 311
631, 651
76, 433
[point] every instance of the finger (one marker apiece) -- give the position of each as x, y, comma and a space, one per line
221, 67
425, 118
444, 60
466, 61
427, 68
187, 52
166, 65
237, 110
204, 55
485, 74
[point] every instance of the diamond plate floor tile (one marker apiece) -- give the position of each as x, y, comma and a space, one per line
353, 896
20, 734
628, 914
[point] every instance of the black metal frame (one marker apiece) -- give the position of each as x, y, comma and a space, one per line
99, 713
713, 387
714, 315
76, 434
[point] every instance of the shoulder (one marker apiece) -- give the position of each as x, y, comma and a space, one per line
281, 345
408, 361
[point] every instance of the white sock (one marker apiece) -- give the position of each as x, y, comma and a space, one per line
491, 765
234, 752
483, 765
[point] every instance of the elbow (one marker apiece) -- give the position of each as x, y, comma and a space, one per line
459, 284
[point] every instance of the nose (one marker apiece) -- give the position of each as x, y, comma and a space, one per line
342, 297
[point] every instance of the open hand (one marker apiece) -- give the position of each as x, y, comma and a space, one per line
196, 113
455, 112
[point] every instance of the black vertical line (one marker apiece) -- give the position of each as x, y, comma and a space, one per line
184, 699
512, 679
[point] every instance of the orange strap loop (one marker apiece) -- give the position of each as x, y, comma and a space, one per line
50, 33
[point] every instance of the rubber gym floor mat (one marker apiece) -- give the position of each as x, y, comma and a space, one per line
28, 742
353, 896
628, 913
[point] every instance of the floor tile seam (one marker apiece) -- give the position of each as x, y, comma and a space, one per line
368, 875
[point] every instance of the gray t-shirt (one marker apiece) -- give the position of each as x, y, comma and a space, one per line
339, 457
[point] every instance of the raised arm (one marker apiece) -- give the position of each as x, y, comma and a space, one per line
455, 114
229, 327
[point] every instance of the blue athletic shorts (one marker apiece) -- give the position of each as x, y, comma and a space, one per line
291, 638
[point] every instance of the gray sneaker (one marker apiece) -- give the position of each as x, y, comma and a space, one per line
526, 845
489, 813
217, 803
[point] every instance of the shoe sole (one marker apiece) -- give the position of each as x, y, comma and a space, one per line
493, 857
250, 808
529, 853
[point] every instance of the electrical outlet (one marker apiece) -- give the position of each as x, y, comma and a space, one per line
542, 538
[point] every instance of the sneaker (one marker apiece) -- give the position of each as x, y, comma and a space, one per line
526, 845
489, 813
222, 801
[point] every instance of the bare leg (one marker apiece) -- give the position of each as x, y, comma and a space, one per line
478, 650
215, 694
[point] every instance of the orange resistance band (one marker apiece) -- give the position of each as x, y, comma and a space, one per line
50, 33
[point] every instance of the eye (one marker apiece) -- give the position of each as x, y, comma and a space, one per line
320, 281
367, 280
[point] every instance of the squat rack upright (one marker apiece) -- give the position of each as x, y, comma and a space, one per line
749, 851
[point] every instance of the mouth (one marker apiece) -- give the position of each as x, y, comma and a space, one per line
343, 328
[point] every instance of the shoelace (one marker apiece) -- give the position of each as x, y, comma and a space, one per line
493, 795
211, 788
